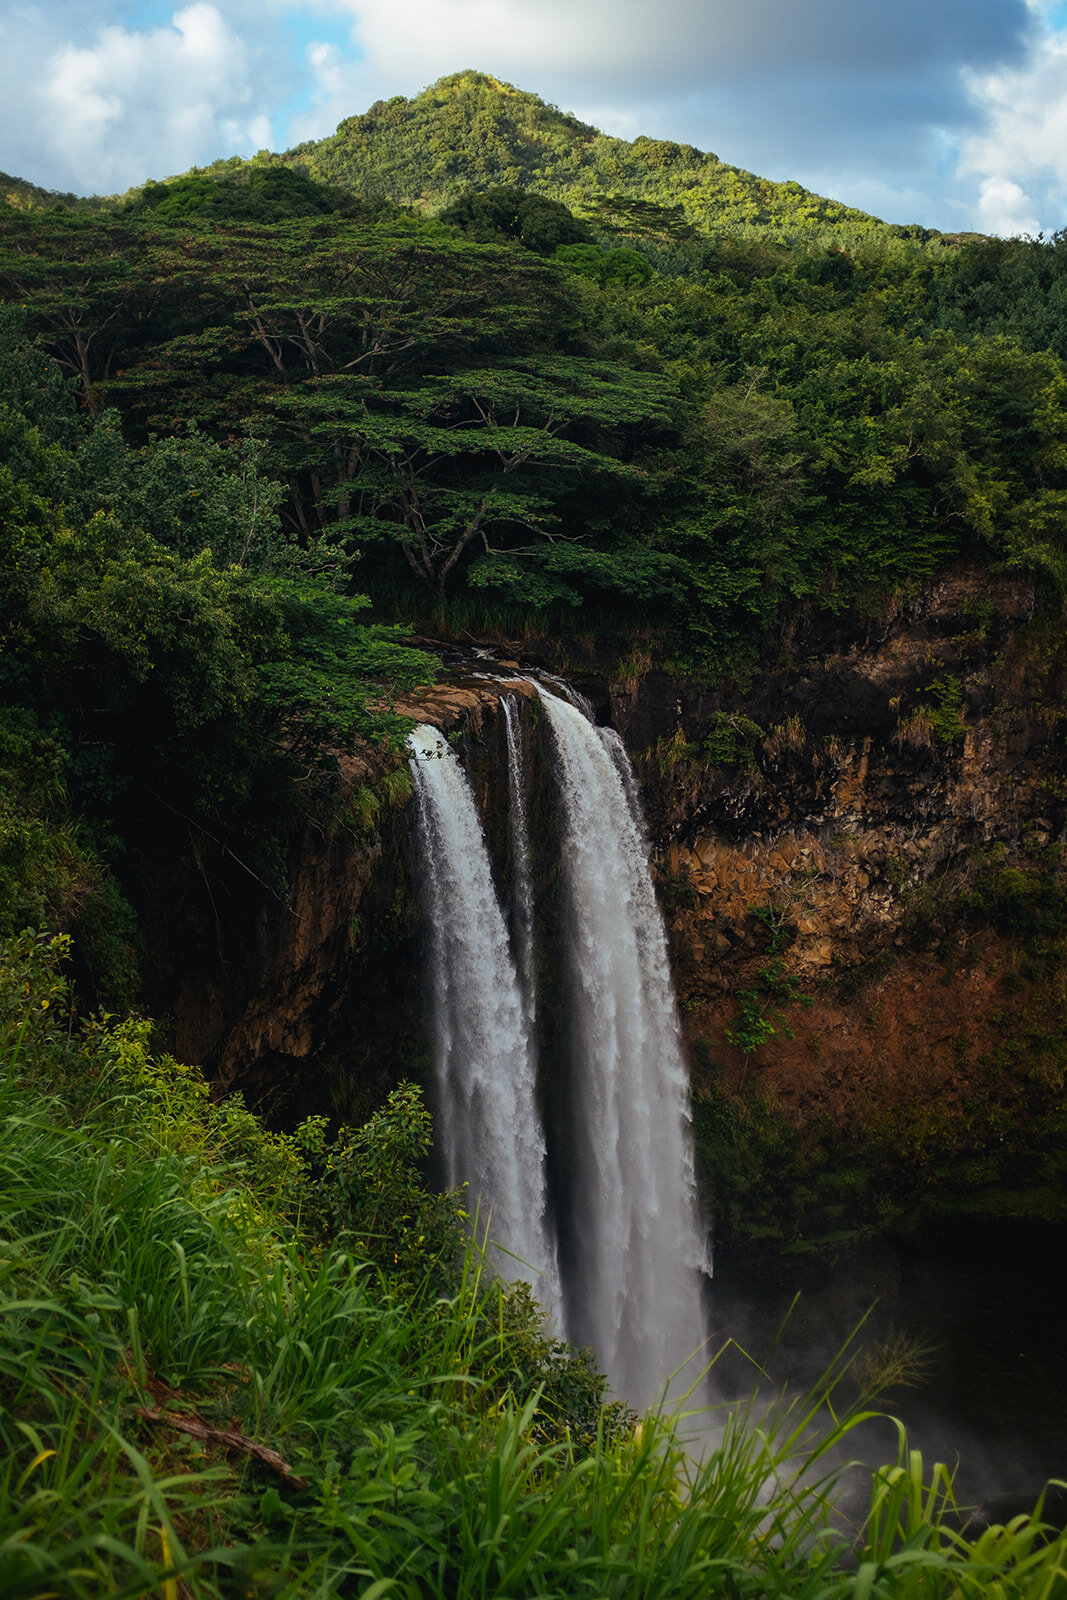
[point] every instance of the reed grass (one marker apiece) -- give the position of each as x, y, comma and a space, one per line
153, 1269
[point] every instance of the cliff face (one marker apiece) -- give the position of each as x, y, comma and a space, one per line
829, 794
307, 997
858, 859
864, 889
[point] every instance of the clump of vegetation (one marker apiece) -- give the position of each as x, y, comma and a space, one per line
789, 735
633, 667
1030, 901
759, 1014
947, 713
241, 1362
916, 730
506, 212
939, 721
673, 752
369, 801
731, 740
778, 920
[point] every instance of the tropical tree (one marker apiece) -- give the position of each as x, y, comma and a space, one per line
85, 285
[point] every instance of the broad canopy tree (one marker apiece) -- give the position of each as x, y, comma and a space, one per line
481, 461
86, 285
411, 388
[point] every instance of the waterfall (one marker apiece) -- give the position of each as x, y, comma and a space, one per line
624, 1275
632, 1246
489, 1130
522, 900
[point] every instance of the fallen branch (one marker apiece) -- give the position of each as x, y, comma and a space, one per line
222, 1436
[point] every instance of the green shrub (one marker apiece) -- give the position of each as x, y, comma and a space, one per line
759, 1014
731, 740
1031, 901
947, 713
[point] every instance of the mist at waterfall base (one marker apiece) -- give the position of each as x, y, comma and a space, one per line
986, 1303
603, 1207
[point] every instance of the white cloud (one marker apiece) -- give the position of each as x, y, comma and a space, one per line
133, 104
337, 91
1021, 154
328, 67
1005, 208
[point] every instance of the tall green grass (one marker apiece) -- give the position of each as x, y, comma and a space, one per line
368, 1432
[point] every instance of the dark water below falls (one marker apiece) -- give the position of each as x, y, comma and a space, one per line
990, 1305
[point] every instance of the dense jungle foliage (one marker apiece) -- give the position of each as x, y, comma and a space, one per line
237, 403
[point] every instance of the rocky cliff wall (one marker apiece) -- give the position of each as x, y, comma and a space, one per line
861, 865
859, 859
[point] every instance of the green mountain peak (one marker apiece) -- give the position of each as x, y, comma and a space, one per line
472, 130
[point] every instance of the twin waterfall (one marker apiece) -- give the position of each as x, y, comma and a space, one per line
584, 1161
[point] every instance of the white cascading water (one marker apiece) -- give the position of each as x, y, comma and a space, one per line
489, 1130
633, 1248
522, 899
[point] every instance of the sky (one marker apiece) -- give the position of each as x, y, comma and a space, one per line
950, 113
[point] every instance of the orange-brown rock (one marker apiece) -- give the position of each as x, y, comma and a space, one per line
855, 811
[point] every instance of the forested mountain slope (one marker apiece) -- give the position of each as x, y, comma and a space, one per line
249, 398
473, 130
